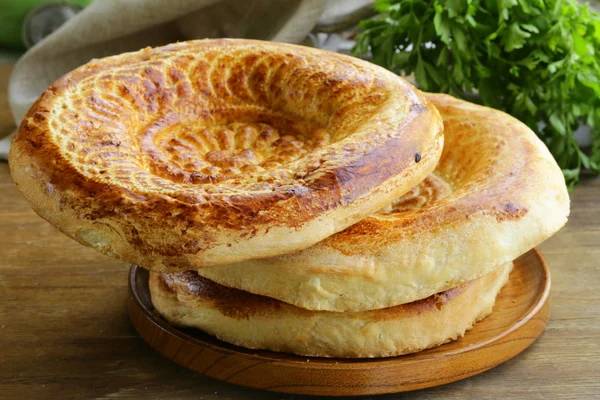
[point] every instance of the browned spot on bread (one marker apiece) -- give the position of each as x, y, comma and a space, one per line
432, 303
165, 284
509, 212
230, 302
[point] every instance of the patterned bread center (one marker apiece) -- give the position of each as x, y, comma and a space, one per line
430, 190
200, 152
245, 117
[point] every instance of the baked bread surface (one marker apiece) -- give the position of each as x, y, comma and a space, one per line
496, 193
217, 151
186, 299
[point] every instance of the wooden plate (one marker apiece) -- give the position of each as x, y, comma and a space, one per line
519, 318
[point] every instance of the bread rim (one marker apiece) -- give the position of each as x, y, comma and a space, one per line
257, 322
116, 152
495, 194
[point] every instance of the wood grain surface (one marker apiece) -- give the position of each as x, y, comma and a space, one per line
520, 315
65, 333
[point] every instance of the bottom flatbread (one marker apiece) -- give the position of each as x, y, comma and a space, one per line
257, 322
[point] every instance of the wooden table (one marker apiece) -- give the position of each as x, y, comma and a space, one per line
64, 330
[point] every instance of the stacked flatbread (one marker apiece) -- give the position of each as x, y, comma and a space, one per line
288, 198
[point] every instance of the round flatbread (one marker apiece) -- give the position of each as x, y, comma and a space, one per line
210, 152
189, 300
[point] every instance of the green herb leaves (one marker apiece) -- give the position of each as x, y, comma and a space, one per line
538, 60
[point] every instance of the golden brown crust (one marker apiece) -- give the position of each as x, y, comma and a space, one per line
187, 299
207, 152
495, 194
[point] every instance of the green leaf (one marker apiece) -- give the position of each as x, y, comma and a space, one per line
382, 6
534, 59
571, 173
555, 66
433, 73
571, 177
493, 51
421, 75
442, 28
471, 20
530, 28
514, 37
582, 47
456, 7
504, 6
458, 73
459, 37
482, 71
531, 107
442, 59
585, 161
557, 124
401, 59
525, 6
591, 80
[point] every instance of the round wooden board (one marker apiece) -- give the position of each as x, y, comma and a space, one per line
519, 318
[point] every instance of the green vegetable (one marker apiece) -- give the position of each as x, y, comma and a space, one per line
537, 60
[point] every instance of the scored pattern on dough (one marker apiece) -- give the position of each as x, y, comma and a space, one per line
431, 189
247, 118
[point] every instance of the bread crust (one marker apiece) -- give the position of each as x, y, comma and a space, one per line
496, 193
258, 322
216, 151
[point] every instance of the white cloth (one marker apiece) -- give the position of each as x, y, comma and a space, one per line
109, 27
5, 146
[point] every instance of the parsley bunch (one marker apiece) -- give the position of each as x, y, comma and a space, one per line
538, 60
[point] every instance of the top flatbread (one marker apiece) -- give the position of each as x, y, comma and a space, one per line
216, 151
